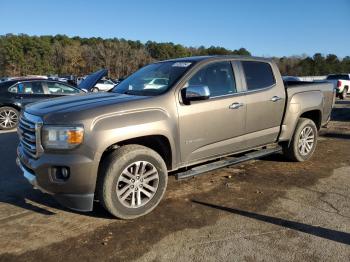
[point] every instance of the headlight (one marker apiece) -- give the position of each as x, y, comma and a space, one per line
55, 137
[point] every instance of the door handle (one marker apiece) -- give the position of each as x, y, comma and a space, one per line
236, 105
275, 98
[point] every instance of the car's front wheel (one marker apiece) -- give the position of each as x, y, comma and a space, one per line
8, 118
95, 90
303, 143
132, 181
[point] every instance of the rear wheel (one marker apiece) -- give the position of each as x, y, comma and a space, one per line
95, 90
8, 118
344, 94
304, 141
132, 181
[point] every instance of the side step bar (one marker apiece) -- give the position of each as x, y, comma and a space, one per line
198, 170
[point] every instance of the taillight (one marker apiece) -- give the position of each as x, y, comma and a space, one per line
339, 83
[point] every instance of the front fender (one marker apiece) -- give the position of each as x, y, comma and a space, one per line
113, 128
299, 104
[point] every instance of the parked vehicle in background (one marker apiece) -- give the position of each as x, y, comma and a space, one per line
156, 83
103, 85
118, 147
290, 78
118, 80
80, 79
15, 94
342, 84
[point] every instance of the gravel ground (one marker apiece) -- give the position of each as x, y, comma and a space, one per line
266, 210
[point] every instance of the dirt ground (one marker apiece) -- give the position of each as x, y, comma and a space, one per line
266, 210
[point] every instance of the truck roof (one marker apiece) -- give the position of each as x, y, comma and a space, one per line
217, 57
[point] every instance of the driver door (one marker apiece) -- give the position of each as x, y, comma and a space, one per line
215, 126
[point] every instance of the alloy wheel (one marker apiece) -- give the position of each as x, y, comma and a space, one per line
8, 118
137, 184
306, 141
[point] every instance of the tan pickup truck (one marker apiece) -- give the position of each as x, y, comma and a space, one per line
189, 115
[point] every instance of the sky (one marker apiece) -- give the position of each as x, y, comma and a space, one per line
264, 27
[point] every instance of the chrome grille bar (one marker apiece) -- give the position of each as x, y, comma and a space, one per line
29, 132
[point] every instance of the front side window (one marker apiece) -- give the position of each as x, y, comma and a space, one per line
218, 77
58, 88
258, 75
30, 88
154, 79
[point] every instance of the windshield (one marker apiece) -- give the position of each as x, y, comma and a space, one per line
154, 79
336, 77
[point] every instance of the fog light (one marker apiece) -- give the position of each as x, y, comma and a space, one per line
60, 173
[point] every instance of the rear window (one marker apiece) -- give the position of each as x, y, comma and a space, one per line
258, 75
338, 77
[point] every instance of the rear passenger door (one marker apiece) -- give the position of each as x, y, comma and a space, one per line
265, 100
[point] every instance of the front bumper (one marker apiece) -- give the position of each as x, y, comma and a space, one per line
76, 193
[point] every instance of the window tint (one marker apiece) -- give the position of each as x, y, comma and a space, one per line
218, 77
258, 75
30, 88
58, 88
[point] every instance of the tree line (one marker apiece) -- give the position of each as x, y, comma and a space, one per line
42, 55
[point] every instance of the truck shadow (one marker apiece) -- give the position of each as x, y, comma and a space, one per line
329, 234
16, 191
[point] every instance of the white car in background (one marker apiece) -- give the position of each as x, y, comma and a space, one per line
342, 84
156, 83
103, 85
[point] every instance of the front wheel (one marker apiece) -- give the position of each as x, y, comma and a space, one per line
304, 141
95, 90
8, 118
132, 181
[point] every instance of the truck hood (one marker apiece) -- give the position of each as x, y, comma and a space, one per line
70, 104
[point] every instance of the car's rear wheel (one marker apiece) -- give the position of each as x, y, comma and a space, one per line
8, 118
95, 90
344, 94
132, 181
304, 141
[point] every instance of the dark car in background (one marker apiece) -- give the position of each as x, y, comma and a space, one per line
15, 94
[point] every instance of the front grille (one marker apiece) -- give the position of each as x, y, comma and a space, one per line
29, 129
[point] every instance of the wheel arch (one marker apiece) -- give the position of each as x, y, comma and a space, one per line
159, 143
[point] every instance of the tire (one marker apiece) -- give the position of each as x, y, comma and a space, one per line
344, 94
95, 90
301, 148
115, 183
9, 117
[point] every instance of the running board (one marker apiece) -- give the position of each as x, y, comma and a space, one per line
198, 170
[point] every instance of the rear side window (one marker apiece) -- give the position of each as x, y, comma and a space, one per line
258, 75
30, 88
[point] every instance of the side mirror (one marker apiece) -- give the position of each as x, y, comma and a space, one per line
196, 93
84, 90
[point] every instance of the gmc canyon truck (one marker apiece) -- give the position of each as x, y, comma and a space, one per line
118, 147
